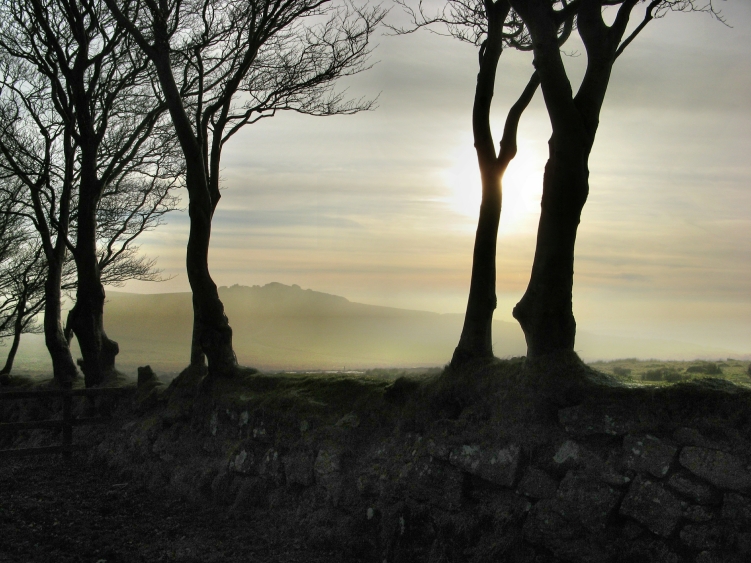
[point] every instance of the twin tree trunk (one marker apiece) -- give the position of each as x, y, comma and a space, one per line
86, 319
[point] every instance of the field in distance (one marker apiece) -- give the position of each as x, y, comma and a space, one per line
656, 372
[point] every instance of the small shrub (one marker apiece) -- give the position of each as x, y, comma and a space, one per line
706, 368
621, 372
652, 375
670, 375
748, 371
674, 377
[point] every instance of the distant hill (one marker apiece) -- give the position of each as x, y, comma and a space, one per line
285, 327
278, 327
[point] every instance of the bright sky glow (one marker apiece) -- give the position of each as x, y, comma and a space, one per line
522, 186
381, 207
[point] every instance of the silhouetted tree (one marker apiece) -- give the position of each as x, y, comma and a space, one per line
545, 311
101, 88
491, 26
37, 151
125, 213
21, 276
223, 64
22, 280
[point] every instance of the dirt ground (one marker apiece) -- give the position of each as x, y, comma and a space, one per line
68, 511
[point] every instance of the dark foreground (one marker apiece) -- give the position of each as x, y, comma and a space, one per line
55, 511
504, 461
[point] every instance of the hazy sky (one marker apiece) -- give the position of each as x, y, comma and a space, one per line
381, 207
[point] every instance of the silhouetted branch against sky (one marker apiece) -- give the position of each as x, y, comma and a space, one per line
223, 64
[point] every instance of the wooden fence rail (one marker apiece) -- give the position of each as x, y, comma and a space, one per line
66, 423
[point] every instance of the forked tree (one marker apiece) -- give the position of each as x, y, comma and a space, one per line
545, 311
491, 26
221, 65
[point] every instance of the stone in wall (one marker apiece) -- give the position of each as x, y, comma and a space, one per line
497, 465
327, 470
698, 514
736, 507
586, 500
703, 537
537, 484
588, 420
298, 468
270, 465
722, 469
648, 454
436, 483
651, 505
692, 437
571, 455
698, 492
549, 524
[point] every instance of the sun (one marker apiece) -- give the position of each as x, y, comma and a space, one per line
522, 186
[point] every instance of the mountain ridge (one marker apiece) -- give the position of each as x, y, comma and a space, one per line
279, 327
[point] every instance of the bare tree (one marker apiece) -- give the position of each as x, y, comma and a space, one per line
102, 90
491, 26
21, 275
223, 64
545, 311
37, 153
22, 285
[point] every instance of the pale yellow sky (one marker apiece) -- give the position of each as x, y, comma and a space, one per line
380, 207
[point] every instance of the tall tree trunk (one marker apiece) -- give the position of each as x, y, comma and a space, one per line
476, 340
545, 312
86, 319
212, 334
17, 329
197, 357
63, 366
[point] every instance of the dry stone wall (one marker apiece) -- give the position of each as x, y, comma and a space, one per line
630, 476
